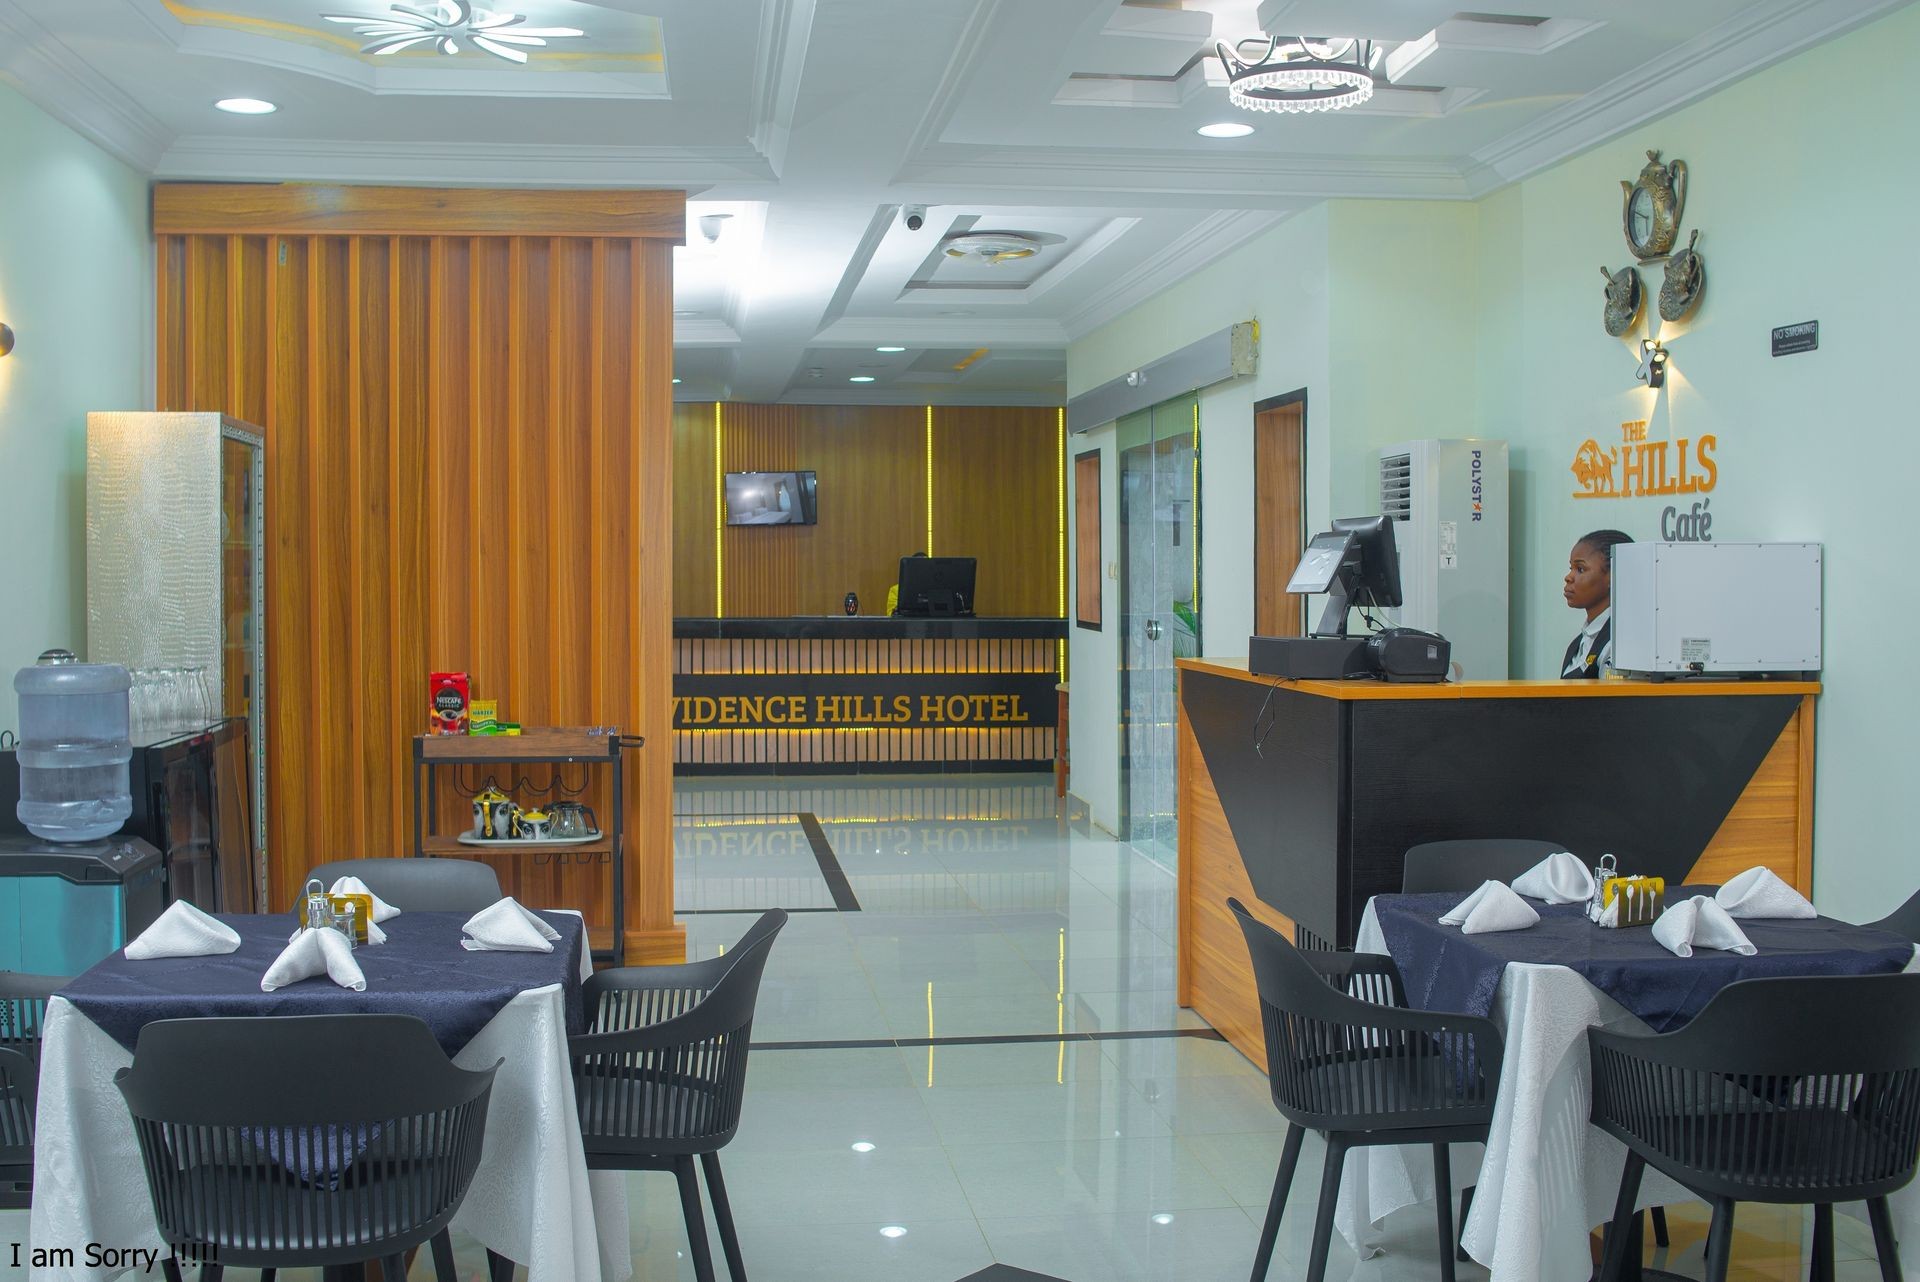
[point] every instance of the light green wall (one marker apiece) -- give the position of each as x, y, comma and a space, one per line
1805, 204
1483, 318
76, 285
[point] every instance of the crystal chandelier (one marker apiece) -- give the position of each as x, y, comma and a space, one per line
444, 24
1299, 73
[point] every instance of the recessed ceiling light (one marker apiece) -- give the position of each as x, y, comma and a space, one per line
676, 382
864, 1146
1224, 129
1163, 1218
889, 349
247, 106
861, 378
893, 1230
958, 312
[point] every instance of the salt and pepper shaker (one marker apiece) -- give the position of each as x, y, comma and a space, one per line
348, 922
1606, 869
319, 908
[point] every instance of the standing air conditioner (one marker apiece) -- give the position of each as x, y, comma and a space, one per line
1448, 502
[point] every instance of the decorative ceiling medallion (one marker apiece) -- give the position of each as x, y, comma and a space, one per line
1298, 74
992, 247
445, 23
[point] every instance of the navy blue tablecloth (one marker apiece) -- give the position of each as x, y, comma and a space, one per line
1444, 970
421, 970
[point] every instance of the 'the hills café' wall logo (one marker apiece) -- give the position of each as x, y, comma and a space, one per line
1638, 468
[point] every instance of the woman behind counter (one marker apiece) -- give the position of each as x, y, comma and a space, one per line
1589, 587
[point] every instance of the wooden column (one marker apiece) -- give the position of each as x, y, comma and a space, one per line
466, 398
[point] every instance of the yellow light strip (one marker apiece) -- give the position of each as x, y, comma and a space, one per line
719, 521
1060, 504
969, 359
929, 480
929, 1033
1195, 509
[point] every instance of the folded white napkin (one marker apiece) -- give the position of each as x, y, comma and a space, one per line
1700, 923
1491, 908
1759, 892
315, 952
382, 910
184, 931
375, 935
1560, 878
508, 928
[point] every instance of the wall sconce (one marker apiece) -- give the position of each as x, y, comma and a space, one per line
6, 340
1653, 363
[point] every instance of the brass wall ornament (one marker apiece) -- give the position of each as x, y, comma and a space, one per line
1651, 205
1686, 277
1624, 297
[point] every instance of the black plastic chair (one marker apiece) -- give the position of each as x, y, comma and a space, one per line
18, 1093
661, 1076
1463, 865
1791, 1091
421, 885
1361, 1073
1903, 921
326, 1141
23, 1012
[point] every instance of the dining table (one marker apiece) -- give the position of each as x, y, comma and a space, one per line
532, 1199
1546, 1177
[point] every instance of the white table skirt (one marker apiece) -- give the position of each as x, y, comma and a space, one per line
1547, 1177
532, 1198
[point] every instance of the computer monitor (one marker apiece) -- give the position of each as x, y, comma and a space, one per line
1357, 562
936, 585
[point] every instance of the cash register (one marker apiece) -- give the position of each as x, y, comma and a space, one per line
1356, 563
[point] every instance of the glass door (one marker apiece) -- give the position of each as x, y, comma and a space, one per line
1159, 451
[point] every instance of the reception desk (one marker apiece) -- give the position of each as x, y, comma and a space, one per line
864, 693
1302, 797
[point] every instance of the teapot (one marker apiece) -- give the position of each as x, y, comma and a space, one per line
572, 819
489, 822
532, 825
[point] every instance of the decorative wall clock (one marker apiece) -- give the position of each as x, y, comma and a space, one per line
1624, 297
1651, 205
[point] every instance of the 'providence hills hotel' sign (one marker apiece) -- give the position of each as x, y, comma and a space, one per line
892, 700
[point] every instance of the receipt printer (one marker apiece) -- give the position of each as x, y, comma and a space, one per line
1408, 654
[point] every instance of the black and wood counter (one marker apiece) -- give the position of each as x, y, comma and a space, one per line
864, 693
1302, 797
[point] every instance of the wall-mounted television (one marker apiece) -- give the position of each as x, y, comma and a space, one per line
771, 498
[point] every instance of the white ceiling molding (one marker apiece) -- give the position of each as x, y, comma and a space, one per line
982, 23
1085, 252
1211, 238
437, 78
1766, 33
780, 58
1008, 334
214, 159
51, 75
700, 331
1460, 35
1082, 178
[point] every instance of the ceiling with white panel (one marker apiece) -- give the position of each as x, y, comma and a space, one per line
806, 130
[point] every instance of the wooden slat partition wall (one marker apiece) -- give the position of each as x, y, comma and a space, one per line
468, 468
871, 462
696, 506
996, 497
997, 491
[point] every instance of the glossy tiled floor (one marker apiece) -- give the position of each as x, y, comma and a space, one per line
1110, 1141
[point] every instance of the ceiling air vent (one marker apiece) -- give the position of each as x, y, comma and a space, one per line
1396, 486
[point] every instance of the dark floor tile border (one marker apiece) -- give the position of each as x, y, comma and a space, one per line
993, 1039
836, 877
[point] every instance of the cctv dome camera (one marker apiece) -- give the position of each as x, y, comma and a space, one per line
915, 217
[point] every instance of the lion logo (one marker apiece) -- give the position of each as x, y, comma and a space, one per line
1593, 468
